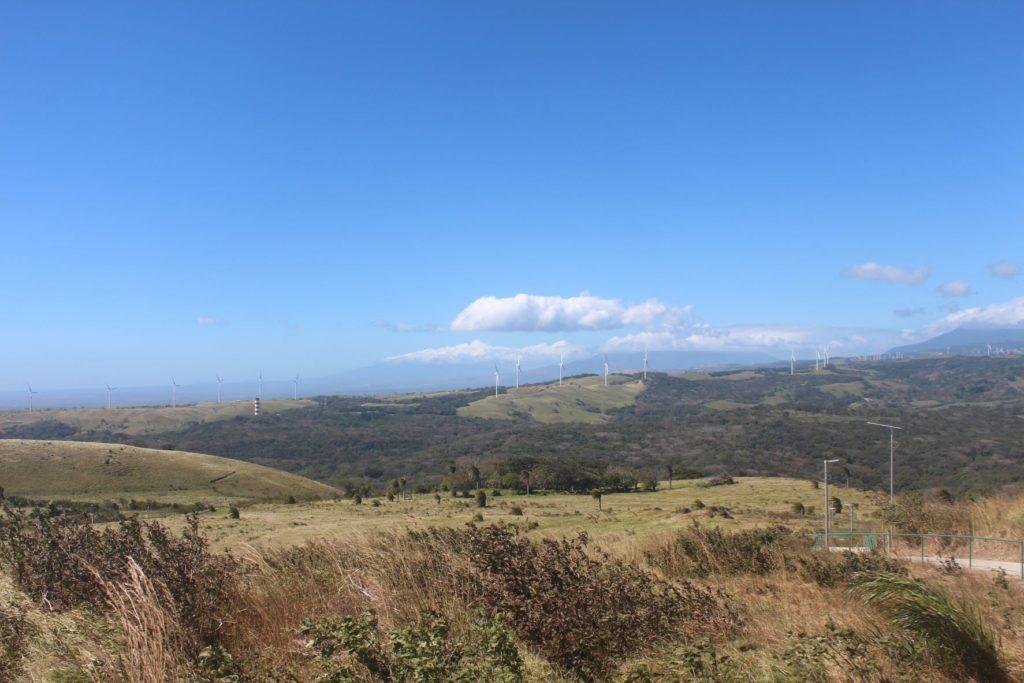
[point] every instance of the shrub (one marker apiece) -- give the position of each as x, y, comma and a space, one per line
700, 551
798, 509
481, 499
583, 612
953, 632
233, 512
64, 561
357, 499
354, 649
721, 480
291, 500
516, 510
15, 630
375, 503
833, 569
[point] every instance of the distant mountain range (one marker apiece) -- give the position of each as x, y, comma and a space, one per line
387, 378
406, 376
968, 342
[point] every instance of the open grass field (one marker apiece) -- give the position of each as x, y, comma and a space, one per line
582, 399
145, 420
624, 517
73, 470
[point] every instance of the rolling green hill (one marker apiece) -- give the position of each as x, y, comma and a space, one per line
581, 399
134, 421
76, 470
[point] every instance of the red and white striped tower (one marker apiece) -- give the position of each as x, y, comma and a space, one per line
256, 406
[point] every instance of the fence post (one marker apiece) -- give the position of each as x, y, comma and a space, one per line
922, 548
1022, 559
970, 553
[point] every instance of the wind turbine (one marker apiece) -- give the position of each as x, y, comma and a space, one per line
792, 363
497, 378
645, 365
606, 370
561, 366
259, 391
174, 393
109, 389
219, 382
295, 387
518, 367
817, 359
30, 395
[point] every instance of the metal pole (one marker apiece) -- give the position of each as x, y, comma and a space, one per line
827, 535
892, 467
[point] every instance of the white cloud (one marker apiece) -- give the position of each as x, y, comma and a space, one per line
955, 288
478, 351
207, 320
533, 313
767, 338
891, 274
1005, 270
908, 312
1003, 314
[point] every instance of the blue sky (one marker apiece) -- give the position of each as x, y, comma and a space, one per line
195, 187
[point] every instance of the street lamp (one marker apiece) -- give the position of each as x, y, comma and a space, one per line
828, 511
891, 459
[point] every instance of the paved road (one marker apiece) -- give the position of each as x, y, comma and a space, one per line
1012, 569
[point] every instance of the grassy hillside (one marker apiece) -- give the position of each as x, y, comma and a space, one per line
98, 472
581, 399
751, 501
134, 421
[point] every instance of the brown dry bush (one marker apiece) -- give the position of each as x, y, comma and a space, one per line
583, 611
703, 551
15, 631
63, 561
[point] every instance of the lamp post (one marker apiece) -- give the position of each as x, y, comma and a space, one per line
891, 456
828, 511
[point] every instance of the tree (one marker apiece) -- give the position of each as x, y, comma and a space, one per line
668, 471
596, 495
837, 505
481, 499
475, 473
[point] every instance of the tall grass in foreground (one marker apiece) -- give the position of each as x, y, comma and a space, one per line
954, 633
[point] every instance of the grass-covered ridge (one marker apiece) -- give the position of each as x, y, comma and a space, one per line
82, 471
580, 399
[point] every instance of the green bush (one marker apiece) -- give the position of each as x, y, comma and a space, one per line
353, 648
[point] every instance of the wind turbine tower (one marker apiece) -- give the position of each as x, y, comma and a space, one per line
497, 379
606, 370
219, 382
259, 389
518, 367
817, 359
561, 367
30, 395
792, 363
295, 388
174, 393
109, 390
645, 365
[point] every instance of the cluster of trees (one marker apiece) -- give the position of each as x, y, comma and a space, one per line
526, 474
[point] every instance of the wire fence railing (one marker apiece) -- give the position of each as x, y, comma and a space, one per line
973, 551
